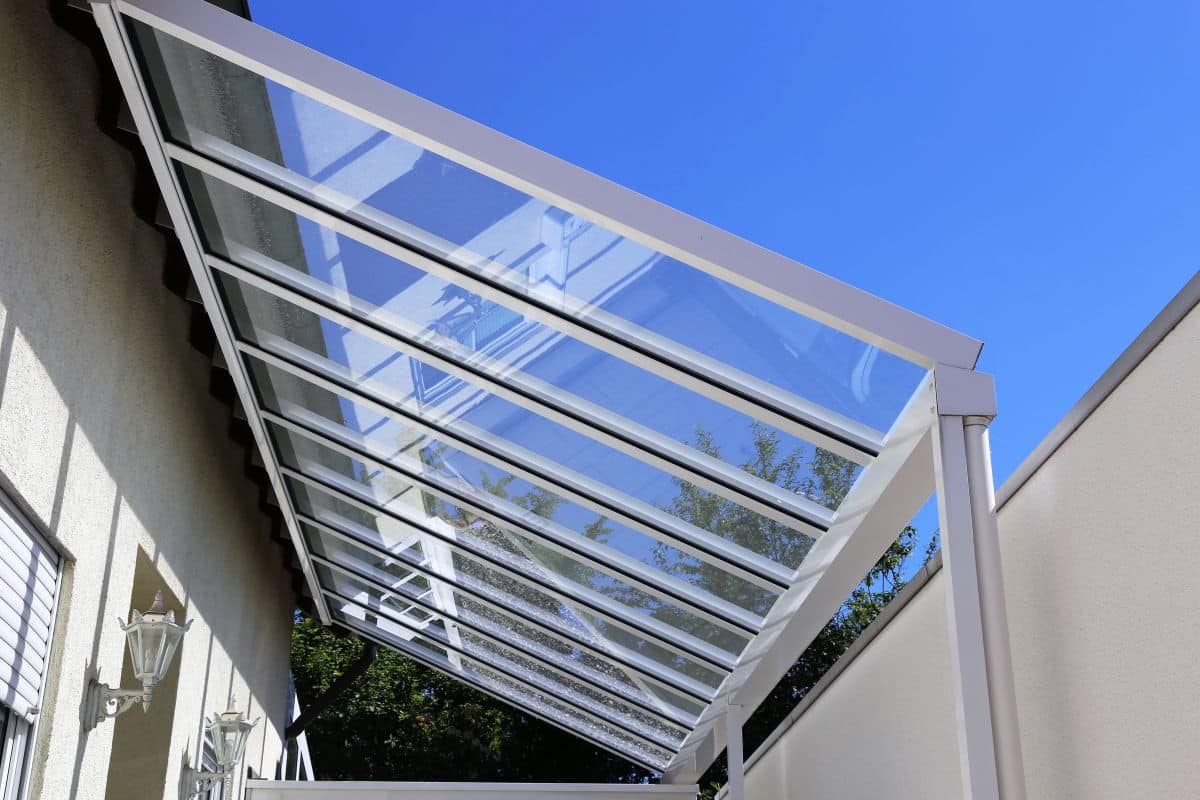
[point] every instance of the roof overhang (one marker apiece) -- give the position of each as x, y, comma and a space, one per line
408, 345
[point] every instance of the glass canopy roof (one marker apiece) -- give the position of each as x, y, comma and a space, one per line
533, 430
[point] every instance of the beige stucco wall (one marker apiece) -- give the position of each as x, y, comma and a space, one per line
1101, 553
108, 435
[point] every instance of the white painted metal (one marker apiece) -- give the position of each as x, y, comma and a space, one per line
625, 659
533, 394
735, 758
586, 706
884, 499
507, 515
369, 790
962, 392
636, 663
508, 640
533, 467
977, 753
423, 656
538, 174
116, 41
1002, 692
886, 496
579, 319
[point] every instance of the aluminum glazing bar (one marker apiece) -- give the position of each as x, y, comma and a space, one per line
628, 661
479, 683
514, 672
583, 321
701, 653
883, 500
538, 470
495, 634
548, 533
113, 32
539, 397
613, 612
671, 232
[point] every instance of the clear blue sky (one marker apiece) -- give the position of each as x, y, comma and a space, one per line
1028, 173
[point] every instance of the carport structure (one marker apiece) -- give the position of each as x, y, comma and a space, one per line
542, 433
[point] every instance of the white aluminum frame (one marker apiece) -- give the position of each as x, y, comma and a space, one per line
929, 443
136, 94
632, 662
497, 378
429, 790
614, 504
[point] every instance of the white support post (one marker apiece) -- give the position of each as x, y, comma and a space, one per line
734, 757
985, 700
1002, 692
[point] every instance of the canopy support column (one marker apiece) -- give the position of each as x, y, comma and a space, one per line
734, 757
1001, 685
985, 699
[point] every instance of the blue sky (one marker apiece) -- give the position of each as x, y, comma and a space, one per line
1026, 173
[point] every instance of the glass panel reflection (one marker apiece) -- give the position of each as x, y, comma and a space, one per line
398, 497
487, 614
402, 639
392, 443
466, 633
251, 232
535, 592
546, 253
284, 329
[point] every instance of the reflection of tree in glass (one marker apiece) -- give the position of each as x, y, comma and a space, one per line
822, 476
415, 723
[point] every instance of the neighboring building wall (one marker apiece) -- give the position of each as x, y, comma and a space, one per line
113, 445
1101, 552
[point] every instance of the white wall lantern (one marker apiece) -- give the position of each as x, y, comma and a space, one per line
152, 637
229, 732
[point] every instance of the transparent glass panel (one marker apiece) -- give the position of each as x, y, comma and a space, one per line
393, 494
322, 345
402, 600
251, 232
489, 647
544, 252
470, 562
391, 442
487, 616
400, 638
573, 719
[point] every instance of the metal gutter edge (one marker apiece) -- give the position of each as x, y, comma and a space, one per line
1163, 323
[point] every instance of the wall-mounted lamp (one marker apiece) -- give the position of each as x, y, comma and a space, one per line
229, 732
153, 637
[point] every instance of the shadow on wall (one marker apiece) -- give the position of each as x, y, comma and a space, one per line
141, 741
107, 430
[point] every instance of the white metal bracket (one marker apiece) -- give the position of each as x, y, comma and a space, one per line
964, 392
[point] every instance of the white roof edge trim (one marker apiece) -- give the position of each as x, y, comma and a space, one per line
116, 41
673, 233
887, 496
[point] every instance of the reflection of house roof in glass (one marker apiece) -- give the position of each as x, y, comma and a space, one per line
518, 417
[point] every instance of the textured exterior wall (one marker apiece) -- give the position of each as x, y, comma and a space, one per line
108, 435
1101, 558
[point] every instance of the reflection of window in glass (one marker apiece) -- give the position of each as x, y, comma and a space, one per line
484, 326
550, 268
478, 324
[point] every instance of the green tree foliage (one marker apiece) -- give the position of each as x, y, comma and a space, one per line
403, 721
